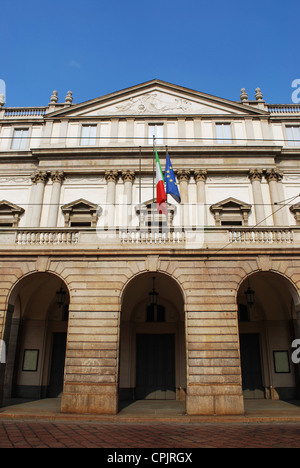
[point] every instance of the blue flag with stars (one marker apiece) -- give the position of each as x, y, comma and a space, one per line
171, 185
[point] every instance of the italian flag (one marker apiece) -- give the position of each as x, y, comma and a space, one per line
161, 196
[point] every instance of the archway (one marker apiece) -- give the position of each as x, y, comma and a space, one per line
267, 326
35, 335
152, 340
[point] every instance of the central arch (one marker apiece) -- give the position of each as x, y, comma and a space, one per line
152, 340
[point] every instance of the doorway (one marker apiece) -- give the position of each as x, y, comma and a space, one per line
152, 340
251, 366
56, 381
155, 367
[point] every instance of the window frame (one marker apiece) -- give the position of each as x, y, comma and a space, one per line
90, 139
20, 143
222, 139
81, 213
159, 138
231, 212
295, 140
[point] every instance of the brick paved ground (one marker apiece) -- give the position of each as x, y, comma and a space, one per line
39, 434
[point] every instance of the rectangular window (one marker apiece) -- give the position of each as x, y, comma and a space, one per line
20, 138
281, 362
223, 133
293, 135
157, 131
30, 360
88, 135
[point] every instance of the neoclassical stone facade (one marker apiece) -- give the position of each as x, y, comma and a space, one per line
103, 299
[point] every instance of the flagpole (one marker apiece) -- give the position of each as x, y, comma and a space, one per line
166, 160
140, 185
153, 168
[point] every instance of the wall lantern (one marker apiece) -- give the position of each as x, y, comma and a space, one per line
61, 296
250, 295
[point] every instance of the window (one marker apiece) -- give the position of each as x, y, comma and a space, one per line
223, 133
293, 135
231, 212
19, 141
295, 209
81, 213
88, 135
281, 362
152, 220
155, 313
10, 214
157, 131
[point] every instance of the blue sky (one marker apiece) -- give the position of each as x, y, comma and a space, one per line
95, 47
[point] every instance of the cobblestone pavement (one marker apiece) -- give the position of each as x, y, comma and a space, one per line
45, 434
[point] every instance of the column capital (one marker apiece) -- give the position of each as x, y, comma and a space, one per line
200, 175
128, 176
273, 174
57, 176
111, 176
40, 176
255, 174
183, 175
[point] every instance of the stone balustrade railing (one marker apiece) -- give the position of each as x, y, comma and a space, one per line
11, 112
144, 236
44, 237
209, 237
285, 109
259, 235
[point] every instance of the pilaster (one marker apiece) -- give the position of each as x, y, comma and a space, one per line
111, 178
200, 176
273, 176
57, 178
255, 176
39, 180
183, 176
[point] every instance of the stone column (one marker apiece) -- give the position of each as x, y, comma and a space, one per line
111, 178
273, 176
39, 180
57, 180
255, 175
128, 178
183, 176
200, 178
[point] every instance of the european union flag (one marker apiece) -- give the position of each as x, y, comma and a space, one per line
171, 185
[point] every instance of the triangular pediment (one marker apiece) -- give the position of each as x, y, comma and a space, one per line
155, 98
7, 207
80, 205
231, 204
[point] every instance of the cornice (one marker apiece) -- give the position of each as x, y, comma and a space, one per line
127, 151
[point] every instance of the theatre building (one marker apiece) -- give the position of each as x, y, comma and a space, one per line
103, 298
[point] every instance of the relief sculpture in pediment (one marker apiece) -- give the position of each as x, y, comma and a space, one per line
153, 103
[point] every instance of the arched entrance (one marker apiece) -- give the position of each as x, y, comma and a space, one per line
152, 340
35, 336
268, 324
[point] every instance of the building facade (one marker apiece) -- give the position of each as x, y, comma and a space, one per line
103, 298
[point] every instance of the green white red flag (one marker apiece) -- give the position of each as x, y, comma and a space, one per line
161, 196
